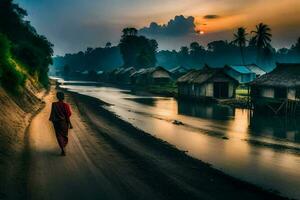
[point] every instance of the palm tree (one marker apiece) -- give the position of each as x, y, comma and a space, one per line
262, 38
240, 40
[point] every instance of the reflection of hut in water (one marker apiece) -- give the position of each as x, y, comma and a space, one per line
206, 111
275, 127
278, 91
206, 83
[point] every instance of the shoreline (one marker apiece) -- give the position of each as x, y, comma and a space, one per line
143, 90
88, 104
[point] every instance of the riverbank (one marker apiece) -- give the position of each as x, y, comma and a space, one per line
158, 162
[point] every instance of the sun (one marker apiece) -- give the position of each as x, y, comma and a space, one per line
202, 32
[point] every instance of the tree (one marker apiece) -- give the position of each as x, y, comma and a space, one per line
197, 53
129, 32
10, 77
34, 51
183, 56
67, 70
262, 39
240, 40
137, 51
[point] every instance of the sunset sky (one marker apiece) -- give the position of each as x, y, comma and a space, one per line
73, 25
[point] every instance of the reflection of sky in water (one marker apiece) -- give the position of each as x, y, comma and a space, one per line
265, 160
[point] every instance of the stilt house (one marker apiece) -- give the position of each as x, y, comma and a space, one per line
278, 91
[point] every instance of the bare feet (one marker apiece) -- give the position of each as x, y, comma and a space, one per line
63, 152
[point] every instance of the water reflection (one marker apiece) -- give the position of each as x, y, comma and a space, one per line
250, 153
237, 120
207, 111
287, 128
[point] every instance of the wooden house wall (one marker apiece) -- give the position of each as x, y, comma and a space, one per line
270, 93
231, 89
267, 92
204, 90
209, 89
292, 94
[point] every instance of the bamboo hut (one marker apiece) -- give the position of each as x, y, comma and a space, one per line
122, 75
278, 92
207, 83
153, 75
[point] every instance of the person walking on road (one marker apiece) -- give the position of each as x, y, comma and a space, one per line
60, 117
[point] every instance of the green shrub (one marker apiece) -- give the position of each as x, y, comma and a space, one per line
28, 52
12, 79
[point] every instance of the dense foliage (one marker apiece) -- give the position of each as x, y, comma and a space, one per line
23, 51
137, 51
219, 53
101, 58
11, 77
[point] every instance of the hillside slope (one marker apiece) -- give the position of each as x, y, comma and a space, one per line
15, 115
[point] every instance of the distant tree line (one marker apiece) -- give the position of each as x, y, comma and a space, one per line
139, 51
101, 58
23, 52
132, 51
245, 48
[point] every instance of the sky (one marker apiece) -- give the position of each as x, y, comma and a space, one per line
74, 25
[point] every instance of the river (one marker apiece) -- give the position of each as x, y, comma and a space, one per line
261, 150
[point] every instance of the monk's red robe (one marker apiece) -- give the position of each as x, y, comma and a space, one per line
60, 116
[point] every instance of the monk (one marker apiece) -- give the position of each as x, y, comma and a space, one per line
60, 117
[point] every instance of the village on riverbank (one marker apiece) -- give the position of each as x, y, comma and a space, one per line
246, 72
161, 111
242, 86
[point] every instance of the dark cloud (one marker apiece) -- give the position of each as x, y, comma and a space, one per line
211, 16
179, 26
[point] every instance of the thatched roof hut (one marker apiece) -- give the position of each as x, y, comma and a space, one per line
153, 75
207, 82
122, 75
284, 75
199, 76
279, 90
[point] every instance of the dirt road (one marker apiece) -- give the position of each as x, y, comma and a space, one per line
91, 170
109, 159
